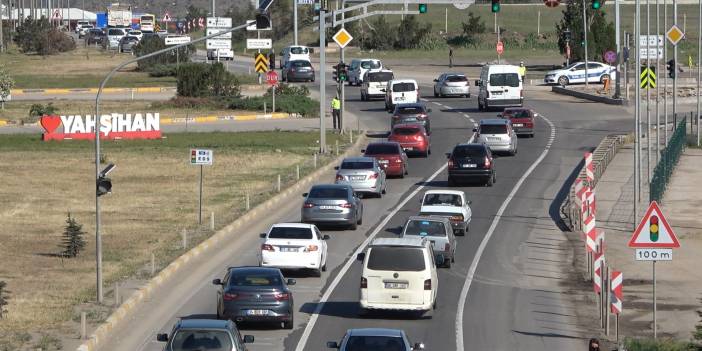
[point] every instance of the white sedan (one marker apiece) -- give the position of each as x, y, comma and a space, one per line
294, 246
575, 73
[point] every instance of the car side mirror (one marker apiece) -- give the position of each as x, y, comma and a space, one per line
436, 80
217, 281
499, 115
262, 235
336, 168
305, 194
326, 237
361, 256
162, 337
291, 281
248, 339
418, 346
332, 345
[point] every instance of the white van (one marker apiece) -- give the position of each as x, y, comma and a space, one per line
359, 67
294, 52
499, 86
113, 37
401, 91
399, 274
374, 83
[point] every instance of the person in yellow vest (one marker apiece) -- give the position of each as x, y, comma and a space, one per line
522, 71
336, 112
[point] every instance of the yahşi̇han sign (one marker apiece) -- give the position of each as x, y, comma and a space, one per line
112, 126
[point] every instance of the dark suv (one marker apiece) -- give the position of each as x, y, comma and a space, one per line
471, 162
205, 334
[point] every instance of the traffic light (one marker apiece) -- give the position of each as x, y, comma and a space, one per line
103, 185
495, 6
263, 22
671, 68
653, 228
335, 73
341, 72
422, 8
596, 4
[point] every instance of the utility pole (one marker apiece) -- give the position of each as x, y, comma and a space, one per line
648, 94
213, 8
675, 60
322, 79
342, 92
665, 80
585, 39
294, 22
658, 86
620, 58
699, 74
637, 110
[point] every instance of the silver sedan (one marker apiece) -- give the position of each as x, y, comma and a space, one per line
363, 174
451, 84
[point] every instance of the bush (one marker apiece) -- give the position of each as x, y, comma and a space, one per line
154, 43
203, 80
73, 242
302, 105
38, 36
38, 110
186, 102
658, 345
160, 70
291, 90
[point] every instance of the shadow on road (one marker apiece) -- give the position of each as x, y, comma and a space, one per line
351, 309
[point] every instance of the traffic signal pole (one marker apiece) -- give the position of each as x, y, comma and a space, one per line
675, 65
585, 39
322, 80
342, 95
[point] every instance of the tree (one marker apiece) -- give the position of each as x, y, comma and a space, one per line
474, 26
203, 80
240, 13
381, 36
281, 18
154, 43
3, 298
73, 241
412, 33
600, 34
40, 37
194, 12
6, 85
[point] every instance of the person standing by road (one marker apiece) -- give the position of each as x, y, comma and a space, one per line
594, 345
522, 71
336, 112
450, 57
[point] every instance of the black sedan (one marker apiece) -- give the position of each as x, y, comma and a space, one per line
94, 36
415, 113
255, 294
298, 70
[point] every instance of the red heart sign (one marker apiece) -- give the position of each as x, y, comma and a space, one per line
50, 123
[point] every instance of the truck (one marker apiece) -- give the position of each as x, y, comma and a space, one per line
101, 20
119, 15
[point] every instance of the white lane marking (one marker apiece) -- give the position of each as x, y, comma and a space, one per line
351, 260
488, 235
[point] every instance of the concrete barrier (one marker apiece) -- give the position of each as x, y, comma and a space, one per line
587, 96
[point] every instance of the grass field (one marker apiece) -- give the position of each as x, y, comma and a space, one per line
154, 198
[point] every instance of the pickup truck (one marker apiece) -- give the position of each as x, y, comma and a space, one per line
448, 203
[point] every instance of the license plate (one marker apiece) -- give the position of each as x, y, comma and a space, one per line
409, 119
518, 125
358, 177
496, 92
469, 165
408, 148
326, 207
257, 312
395, 285
400, 98
383, 162
494, 139
288, 249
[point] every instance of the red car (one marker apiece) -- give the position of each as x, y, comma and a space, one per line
522, 120
390, 156
412, 137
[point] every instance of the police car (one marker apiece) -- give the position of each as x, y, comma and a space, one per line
575, 73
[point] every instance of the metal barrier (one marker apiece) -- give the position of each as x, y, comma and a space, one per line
669, 158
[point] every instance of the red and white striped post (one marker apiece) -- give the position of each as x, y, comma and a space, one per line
598, 275
589, 169
617, 284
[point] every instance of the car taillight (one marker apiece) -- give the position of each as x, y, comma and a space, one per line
451, 164
395, 117
230, 297
422, 116
281, 296
487, 162
447, 247
427, 284
456, 218
266, 247
364, 283
418, 137
339, 177
308, 205
346, 205
398, 160
311, 248
373, 176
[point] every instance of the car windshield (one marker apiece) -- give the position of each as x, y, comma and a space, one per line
115, 32
425, 228
396, 258
493, 129
328, 193
290, 233
403, 87
504, 79
517, 113
370, 64
405, 131
382, 149
375, 343
255, 279
211, 340
300, 64
442, 199
469, 151
356, 165
407, 110
457, 79
380, 76
298, 50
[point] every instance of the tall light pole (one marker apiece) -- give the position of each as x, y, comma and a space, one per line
699, 74
585, 40
617, 34
637, 110
294, 22
322, 79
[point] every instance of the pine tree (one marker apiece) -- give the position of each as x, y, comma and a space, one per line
3, 298
73, 241
600, 35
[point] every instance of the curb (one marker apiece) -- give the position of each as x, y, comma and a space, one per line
102, 332
588, 96
60, 91
232, 118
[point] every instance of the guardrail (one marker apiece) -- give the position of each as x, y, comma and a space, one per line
669, 158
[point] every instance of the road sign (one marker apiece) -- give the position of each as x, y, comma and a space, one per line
56, 15
589, 169
219, 22
617, 283
215, 25
654, 231
500, 48
610, 57
272, 78
227, 35
463, 4
648, 78
177, 39
674, 35
654, 254
342, 37
651, 41
166, 18
305, 2
259, 43
213, 44
261, 63
201, 157
652, 53
591, 234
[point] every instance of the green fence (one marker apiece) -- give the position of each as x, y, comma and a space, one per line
669, 158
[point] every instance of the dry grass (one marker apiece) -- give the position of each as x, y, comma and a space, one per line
154, 198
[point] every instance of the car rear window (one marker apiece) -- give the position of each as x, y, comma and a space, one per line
210, 340
254, 279
356, 165
380, 76
298, 50
114, 31
370, 64
405, 131
328, 193
290, 233
403, 87
375, 343
425, 228
410, 110
504, 79
382, 149
517, 114
493, 129
442, 199
397, 258
457, 79
469, 151
301, 64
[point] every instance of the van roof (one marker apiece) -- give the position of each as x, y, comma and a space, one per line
404, 81
410, 242
494, 121
502, 69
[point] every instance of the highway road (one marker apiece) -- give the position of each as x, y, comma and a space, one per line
508, 287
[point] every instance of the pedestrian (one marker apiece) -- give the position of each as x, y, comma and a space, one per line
450, 57
336, 112
522, 71
594, 345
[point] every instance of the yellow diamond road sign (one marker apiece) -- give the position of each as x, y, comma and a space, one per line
261, 63
342, 37
674, 35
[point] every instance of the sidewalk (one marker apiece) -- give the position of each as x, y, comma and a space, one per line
679, 282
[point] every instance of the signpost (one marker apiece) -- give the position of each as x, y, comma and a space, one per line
261, 63
176, 39
272, 80
219, 24
651, 47
610, 57
200, 157
654, 240
259, 43
616, 297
